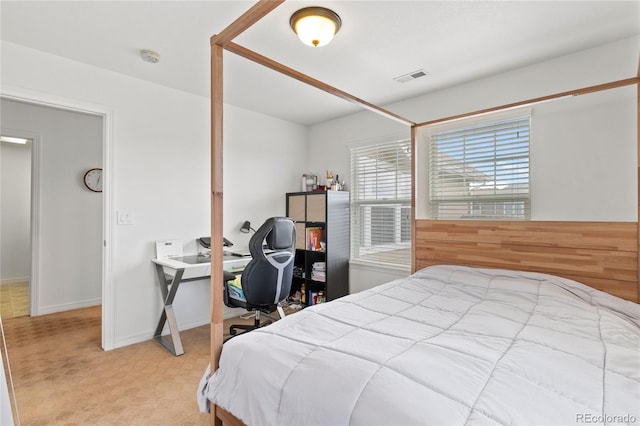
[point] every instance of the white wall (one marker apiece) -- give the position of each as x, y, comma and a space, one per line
264, 158
363, 277
15, 210
70, 216
584, 157
604, 64
160, 171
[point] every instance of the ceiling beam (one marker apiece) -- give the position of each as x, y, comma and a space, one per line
245, 21
290, 72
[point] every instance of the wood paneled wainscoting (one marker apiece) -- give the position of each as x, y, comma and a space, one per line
603, 255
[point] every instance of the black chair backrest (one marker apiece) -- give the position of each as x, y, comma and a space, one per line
266, 280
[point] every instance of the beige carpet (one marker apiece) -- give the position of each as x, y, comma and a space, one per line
63, 377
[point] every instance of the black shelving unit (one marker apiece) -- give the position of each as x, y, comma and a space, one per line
327, 211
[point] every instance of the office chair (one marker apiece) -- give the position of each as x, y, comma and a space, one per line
266, 280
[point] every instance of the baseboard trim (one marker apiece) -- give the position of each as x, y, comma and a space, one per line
142, 337
44, 310
15, 280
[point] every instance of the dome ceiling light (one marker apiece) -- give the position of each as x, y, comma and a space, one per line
315, 26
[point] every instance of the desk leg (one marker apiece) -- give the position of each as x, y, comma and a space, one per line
171, 342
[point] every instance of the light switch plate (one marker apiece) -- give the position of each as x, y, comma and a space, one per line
126, 217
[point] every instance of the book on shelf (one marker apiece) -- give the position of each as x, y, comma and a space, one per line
319, 266
318, 277
315, 238
318, 271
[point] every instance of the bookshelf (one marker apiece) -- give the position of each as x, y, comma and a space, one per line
322, 244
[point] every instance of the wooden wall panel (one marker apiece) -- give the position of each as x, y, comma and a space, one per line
603, 255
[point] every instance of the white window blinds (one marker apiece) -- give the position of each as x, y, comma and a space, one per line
480, 171
381, 203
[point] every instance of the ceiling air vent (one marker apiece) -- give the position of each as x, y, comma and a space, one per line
411, 76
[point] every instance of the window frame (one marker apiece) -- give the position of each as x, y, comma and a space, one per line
470, 203
366, 197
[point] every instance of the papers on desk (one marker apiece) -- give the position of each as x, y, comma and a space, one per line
239, 253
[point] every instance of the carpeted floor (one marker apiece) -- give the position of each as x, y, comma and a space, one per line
63, 377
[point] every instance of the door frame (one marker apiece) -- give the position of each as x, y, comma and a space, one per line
107, 114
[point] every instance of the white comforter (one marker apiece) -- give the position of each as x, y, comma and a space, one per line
448, 346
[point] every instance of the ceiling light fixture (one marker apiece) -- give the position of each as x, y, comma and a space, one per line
150, 56
315, 26
11, 139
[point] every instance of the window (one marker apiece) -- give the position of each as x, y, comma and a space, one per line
480, 171
381, 203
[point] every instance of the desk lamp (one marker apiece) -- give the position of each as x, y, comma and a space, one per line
246, 227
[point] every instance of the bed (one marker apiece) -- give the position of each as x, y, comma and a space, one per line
519, 322
447, 345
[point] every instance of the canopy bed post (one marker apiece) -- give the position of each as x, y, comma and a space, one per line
217, 42
413, 197
216, 212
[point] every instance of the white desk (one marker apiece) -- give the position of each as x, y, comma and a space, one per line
171, 273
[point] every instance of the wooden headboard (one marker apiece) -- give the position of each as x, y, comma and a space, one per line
603, 255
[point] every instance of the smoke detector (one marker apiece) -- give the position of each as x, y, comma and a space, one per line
411, 76
150, 56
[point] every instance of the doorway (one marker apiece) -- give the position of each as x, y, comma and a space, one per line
106, 115
65, 238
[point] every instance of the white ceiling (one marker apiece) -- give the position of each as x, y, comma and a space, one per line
454, 41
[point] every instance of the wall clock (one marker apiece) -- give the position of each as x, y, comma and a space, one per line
93, 179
